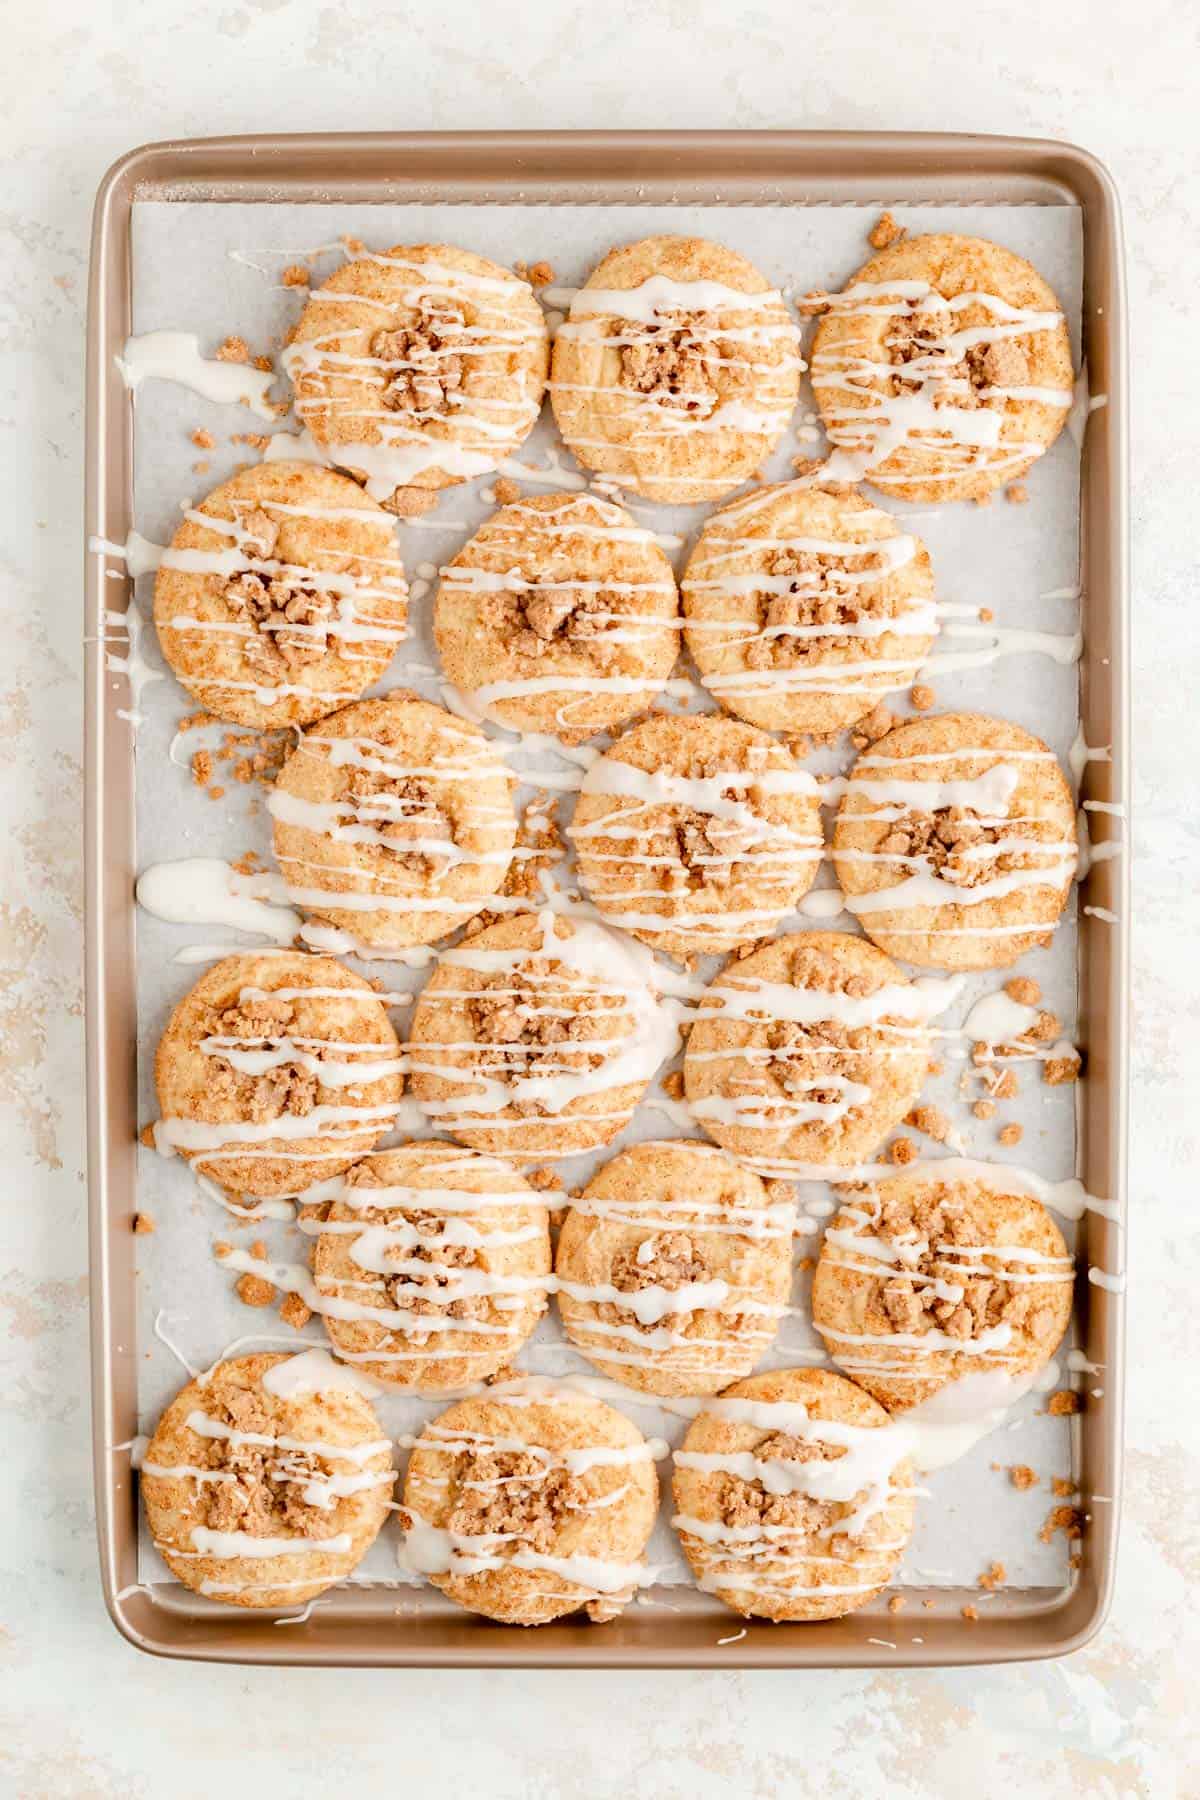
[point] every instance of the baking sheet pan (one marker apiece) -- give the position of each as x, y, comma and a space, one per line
377, 1625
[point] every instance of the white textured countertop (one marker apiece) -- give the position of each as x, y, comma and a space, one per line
80, 1712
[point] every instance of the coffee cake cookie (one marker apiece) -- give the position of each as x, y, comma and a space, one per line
943, 371
267, 1479
955, 842
677, 370
527, 1503
537, 1037
804, 608
794, 1496
807, 1052
432, 1266
559, 615
674, 1268
697, 834
281, 596
419, 367
393, 821
275, 1071
934, 1275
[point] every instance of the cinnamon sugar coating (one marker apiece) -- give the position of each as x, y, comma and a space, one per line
397, 800
266, 1467
780, 1539
458, 1287
921, 1282
299, 600
512, 1047
681, 390
239, 1055
944, 367
689, 836
788, 1092
419, 367
998, 843
559, 615
532, 1509
804, 608
686, 1235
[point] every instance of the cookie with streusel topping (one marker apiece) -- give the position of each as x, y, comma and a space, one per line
266, 1480
804, 608
933, 1276
559, 615
807, 1052
955, 842
436, 1260
677, 369
943, 370
393, 821
418, 367
276, 1071
697, 834
281, 596
790, 1505
674, 1268
538, 1036
528, 1502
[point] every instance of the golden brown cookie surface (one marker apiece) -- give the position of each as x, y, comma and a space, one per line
393, 821
697, 834
537, 1037
560, 615
531, 1507
418, 367
807, 1052
281, 596
674, 1268
276, 1071
793, 1497
926, 1278
432, 1262
804, 608
955, 842
677, 370
943, 370
267, 1480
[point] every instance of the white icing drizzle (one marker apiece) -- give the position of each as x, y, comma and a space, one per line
175, 356
204, 890
862, 565
1002, 1026
862, 1247
225, 1546
718, 320
133, 664
140, 555
594, 964
365, 601
476, 432
867, 433
989, 797
315, 1372
1068, 1198
769, 851
428, 1549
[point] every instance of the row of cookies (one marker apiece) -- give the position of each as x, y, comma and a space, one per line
536, 1040
941, 371
268, 1479
432, 1265
282, 597
954, 842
